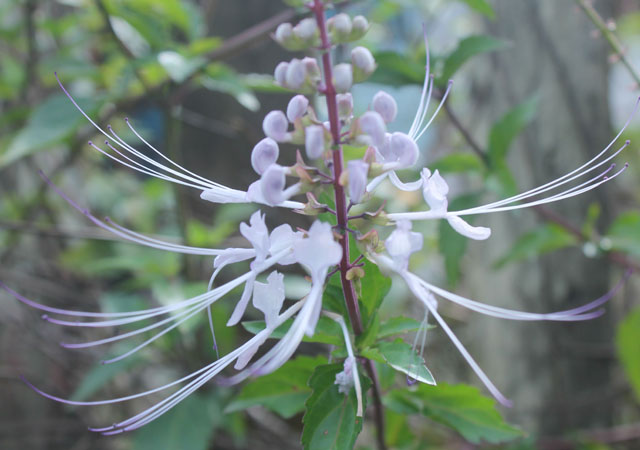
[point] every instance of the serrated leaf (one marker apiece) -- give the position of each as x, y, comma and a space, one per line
330, 421
482, 7
190, 424
403, 358
505, 130
458, 162
464, 409
375, 287
545, 238
628, 345
327, 331
51, 122
467, 48
624, 233
283, 391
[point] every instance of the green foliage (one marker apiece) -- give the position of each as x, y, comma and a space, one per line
481, 6
397, 325
628, 344
458, 162
330, 420
468, 48
624, 233
403, 358
283, 391
545, 238
505, 130
374, 288
327, 331
459, 407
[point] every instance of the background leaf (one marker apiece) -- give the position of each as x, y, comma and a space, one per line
628, 343
505, 130
467, 48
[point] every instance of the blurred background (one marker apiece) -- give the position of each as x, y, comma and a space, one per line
540, 87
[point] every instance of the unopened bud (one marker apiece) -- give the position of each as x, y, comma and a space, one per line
358, 178
363, 63
311, 67
284, 34
359, 26
386, 106
345, 105
280, 74
275, 126
297, 107
314, 141
306, 29
272, 184
372, 125
296, 74
405, 149
340, 28
264, 154
343, 77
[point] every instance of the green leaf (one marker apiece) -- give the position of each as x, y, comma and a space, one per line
178, 67
330, 420
467, 48
222, 78
397, 325
482, 7
628, 344
462, 408
403, 358
397, 70
190, 424
375, 287
283, 391
505, 130
545, 238
327, 331
452, 244
624, 233
101, 374
51, 122
458, 162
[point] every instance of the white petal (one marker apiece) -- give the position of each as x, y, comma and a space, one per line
385, 105
462, 227
297, 107
264, 154
319, 250
224, 195
269, 297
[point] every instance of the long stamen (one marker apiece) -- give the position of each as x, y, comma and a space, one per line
435, 113
419, 117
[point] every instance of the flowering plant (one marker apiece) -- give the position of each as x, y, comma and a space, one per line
341, 251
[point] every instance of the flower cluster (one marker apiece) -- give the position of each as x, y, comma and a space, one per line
322, 247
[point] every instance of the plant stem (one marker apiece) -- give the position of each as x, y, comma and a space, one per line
342, 210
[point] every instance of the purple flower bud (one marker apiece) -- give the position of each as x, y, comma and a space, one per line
306, 29
405, 149
272, 184
297, 107
296, 74
275, 125
311, 67
345, 105
358, 171
363, 63
340, 27
314, 141
284, 33
385, 105
280, 74
264, 154
343, 77
372, 125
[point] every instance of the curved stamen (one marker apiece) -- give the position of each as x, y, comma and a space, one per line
435, 113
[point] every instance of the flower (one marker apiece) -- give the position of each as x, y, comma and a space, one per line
322, 249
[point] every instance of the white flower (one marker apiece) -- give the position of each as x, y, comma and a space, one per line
386, 106
264, 154
297, 107
358, 171
314, 141
402, 242
342, 77
275, 125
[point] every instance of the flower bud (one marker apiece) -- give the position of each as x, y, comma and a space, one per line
363, 63
405, 149
358, 171
280, 74
275, 126
342, 77
306, 29
385, 105
314, 141
339, 27
284, 34
264, 154
297, 107
372, 125
312, 68
359, 27
345, 105
272, 184
296, 75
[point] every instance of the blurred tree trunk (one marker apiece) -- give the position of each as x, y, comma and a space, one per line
557, 373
